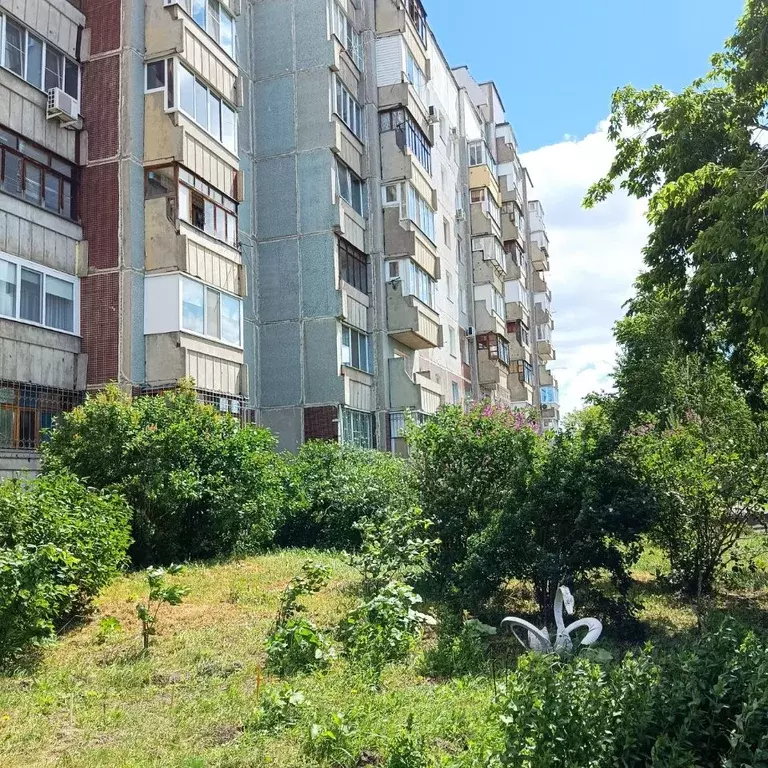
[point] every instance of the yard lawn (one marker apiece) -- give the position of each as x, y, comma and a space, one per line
95, 700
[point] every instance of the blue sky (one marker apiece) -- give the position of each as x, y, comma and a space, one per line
558, 61
556, 64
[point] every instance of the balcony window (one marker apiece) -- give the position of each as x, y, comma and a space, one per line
524, 371
409, 134
353, 266
416, 76
350, 187
498, 304
347, 35
418, 283
496, 346
36, 61
418, 16
27, 410
357, 428
346, 106
356, 349
209, 312
420, 212
37, 295
479, 154
213, 17
204, 107
205, 208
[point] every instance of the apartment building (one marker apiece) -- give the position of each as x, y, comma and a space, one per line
122, 253
296, 203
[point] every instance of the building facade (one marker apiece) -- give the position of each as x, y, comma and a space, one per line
296, 203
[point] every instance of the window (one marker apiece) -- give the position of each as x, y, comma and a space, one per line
37, 295
356, 349
209, 312
214, 18
205, 208
357, 428
409, 134
211, 113
416, 76
496, 346
347, 35
524, 371
346, 106
353, 266
479, 154
350, 187
35, 174
36, 61
419, 283
499, 306
418, 16
455, 392
420, 212
155, 76
449, 286
27, 410
453, 346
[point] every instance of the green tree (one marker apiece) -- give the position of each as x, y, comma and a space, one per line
581, 512
708, 478
199, 484
700, 158
468, 467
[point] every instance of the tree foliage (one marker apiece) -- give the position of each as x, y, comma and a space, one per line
199, 484
700, 158
60, 543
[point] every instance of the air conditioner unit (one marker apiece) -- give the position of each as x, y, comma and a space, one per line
62, 107
470, 332
460, 216
434, 116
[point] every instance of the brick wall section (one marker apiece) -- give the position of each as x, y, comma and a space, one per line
100, 207
101, 325
101, 106
104, 19
100, 192
321, 423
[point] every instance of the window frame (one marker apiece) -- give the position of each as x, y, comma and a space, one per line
220, 202
26, 34
353, 263
173, 103
342, 28
409, 134
367, 440
345, 176
415, 75
184, 278
342, 101
353, 339
186, 6
45, 273
419, 211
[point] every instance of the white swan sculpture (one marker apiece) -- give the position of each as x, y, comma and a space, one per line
539, 639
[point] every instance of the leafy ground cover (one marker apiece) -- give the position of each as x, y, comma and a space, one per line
202, 698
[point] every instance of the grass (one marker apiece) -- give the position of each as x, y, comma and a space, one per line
95, 700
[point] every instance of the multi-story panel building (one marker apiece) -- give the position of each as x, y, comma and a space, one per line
296, 203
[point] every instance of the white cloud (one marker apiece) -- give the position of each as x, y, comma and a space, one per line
595, 257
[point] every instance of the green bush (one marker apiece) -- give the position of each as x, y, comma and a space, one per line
60, 543
200, 485
703, 704
337, 486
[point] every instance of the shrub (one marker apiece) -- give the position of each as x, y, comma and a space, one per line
336, 486
462, 648
60, 543
384, 629
703, 704
467, 467
295, 643
199, 484
394, 547
708, 478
